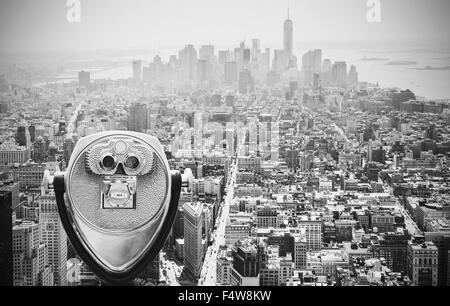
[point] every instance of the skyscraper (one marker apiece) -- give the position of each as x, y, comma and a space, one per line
6, 253
255, 54
339, 73
313, 231
231, 72
308, 63
11, 153
224, 56
246, 264
441, 240
188, 61
22, 136
326, 72
279, 60
393, 247
30, 256
204, 70
84, 79
9, 185
317, 61
423, 263
288, 37
68, 147
206, 52
193, 251
52, 231
137, 119
137, 71
353, 75
246, 82
246, 59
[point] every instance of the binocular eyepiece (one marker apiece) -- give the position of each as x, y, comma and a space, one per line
117, 202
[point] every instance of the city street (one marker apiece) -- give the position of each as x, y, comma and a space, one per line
208, 273
172, 270
411, 226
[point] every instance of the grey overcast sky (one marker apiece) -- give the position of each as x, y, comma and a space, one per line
41, 25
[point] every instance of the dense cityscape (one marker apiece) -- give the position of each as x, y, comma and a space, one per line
305, 175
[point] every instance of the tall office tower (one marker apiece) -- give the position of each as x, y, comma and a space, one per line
327, 65
206, 52
151, 272
393, 247
316, 80
148, 74
339, 73
255, 53
317, 61
173, 61
84, 79
326, 72
137, 71
372, 172
29, 210
10, 153
279, 62
137, 119
9, 185
288, 38
32, 129
266, 60
267, 217
29, 175
157, 63
313, 231
6, 241
441, 239
52, 231
193, 249
22, 136
68, 147
423, 263
246, 59
245, 270
203, 70
353, 75
246, 83
238, 55
300, 249
31, 266
199, 125
224, 56
188, 62
255, 46
308, 63
39, 150
231, 141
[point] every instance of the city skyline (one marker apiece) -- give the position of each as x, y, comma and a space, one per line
254, 164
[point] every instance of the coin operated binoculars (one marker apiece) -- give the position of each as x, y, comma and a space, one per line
117, 202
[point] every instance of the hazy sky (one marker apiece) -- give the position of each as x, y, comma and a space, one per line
41, 25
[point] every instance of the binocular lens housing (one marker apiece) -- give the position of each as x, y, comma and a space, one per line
132, 162
108, 162
117, 201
